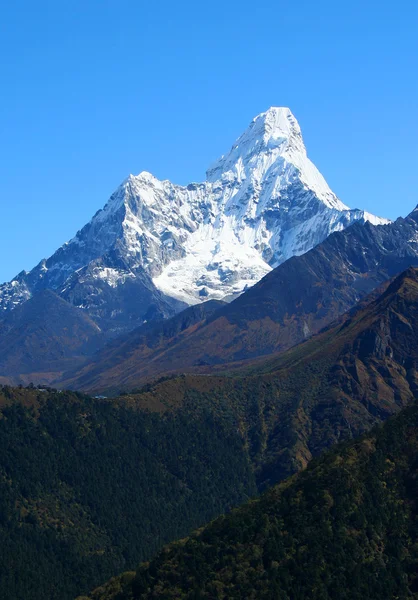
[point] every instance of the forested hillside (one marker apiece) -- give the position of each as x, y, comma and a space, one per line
335, 386
346, 528
89, 488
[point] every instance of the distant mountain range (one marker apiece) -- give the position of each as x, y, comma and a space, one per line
157, 247
294, 301
46, 335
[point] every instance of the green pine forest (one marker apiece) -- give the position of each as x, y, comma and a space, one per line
90, 488
346, 528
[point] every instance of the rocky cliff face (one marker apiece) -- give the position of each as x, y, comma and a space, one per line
157, 245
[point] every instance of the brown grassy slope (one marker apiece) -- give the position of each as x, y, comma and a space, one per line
145, 344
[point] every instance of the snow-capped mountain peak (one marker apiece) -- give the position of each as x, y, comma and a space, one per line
262, 202
275, 129
273, 140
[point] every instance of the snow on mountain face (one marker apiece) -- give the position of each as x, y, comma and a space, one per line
273, 140
261, 203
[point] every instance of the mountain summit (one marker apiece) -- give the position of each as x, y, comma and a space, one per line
266, 202
157, 245
274, 136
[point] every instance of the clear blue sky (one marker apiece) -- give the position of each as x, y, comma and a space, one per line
94, 90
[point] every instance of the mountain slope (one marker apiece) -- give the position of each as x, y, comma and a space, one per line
45, 334
156, 245
345, 528
295, 300
89, 488
266, 202
336, 385
140, 349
